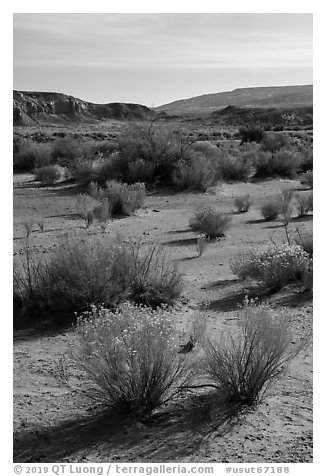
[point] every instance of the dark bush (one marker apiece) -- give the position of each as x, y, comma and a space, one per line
251, 134
31, 155
283, 163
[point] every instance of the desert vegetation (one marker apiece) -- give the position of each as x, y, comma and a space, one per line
80, 274
275, 266
139, 245
245, 364
212, 223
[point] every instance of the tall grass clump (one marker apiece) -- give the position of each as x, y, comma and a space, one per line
129, 358
123, 198
275, 266
243, 203
83, 273
245, 362
210, 222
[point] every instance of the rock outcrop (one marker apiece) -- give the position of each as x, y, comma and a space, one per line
42, 107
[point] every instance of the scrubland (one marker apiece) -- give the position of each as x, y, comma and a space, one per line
162, 294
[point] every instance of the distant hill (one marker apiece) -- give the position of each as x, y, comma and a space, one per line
271, 97
263, 116
47, 108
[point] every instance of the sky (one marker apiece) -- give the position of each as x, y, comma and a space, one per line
157, 58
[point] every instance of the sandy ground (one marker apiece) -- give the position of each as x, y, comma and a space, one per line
53, 423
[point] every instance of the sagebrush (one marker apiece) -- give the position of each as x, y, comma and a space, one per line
129, 358
210, 222
83, 273
245, 362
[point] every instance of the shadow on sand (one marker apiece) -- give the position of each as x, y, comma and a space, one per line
171, 435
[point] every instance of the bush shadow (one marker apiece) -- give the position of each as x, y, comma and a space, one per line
184, 242
170, 435
232, 300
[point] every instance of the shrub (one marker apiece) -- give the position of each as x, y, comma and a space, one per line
47, 175
140, 171
156, 144
66, 150
307, 178
196, 173
273, 142
271, 209
243, 203
123, 198
233, 168
82, 273
245, 363
155, 280
208, 149
211, 222
102, 212
281, 164
251, 134
129, 358
84, 172
306, 159
31, 155
304, 203
113, 167
275, 266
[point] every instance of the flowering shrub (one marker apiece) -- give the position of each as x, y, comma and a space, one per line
245, 362
275, 266
130, 357
210, 222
